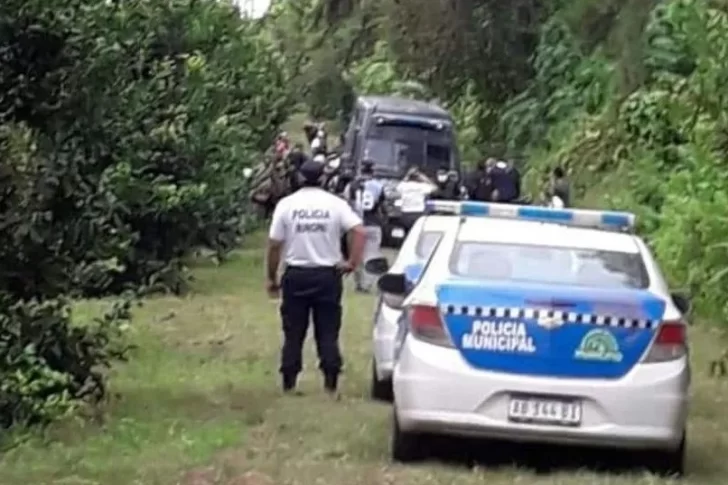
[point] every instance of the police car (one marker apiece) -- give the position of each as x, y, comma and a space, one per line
546, 325
415, 251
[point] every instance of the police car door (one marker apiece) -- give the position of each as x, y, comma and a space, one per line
413, 255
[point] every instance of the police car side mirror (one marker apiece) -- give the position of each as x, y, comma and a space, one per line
394, 289
377, 266
682, 302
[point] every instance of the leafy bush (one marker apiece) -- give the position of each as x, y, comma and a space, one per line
125, 128
566, 80
124, 141
660, 150
48, 364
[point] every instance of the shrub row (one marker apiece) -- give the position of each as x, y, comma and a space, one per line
124, 131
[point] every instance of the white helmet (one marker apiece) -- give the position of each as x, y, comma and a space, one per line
320, 158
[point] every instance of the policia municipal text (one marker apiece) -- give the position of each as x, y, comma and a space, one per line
309, 224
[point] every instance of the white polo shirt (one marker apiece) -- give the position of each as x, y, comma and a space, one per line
310, 222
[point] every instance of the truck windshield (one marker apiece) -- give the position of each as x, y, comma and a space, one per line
396, 148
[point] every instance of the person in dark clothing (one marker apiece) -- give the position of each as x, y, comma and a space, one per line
506, 182
309, 224
310, 129
296, 158
480, 183
559, 186
448, 185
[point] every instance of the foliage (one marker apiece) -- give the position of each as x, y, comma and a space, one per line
124, 188
463, 52
48, 364
565, 80
124, 131
660, 150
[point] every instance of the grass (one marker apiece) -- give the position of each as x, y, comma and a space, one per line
199, 404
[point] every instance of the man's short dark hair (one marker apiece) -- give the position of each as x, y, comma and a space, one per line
559, 172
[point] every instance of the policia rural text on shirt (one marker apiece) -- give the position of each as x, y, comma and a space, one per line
307, 226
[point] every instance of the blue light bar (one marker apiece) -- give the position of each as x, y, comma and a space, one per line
572, 217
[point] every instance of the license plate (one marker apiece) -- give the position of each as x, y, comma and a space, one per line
538, 410
398, 233
413, 202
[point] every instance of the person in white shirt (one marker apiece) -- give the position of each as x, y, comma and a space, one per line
306, 231
366, 195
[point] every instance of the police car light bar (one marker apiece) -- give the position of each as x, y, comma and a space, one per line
623, 221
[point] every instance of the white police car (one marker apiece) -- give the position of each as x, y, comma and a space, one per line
541, 325
415, 251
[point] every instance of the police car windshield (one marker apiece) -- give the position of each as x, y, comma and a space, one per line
426, 243
549, 265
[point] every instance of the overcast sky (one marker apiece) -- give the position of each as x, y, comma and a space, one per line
259, 7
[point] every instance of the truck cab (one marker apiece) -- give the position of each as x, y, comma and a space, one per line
399, 134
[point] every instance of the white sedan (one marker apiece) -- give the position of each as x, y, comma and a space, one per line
541, 325
415, 251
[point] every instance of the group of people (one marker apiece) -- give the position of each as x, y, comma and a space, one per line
307, 229
495, 180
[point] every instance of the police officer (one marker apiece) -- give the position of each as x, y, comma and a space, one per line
309, 224
366, 194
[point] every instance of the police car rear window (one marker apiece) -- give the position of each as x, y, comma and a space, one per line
549, 265
426, 243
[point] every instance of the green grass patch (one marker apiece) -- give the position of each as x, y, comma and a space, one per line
198, 403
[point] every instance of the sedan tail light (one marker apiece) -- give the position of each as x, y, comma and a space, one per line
670, 342
426, 324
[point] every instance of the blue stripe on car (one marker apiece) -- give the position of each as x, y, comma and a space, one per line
554, 321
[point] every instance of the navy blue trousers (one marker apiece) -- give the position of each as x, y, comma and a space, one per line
311, 294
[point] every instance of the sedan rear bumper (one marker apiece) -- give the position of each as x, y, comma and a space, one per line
436, 391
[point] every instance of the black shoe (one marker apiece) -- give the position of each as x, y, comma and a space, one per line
289, 384
331, 382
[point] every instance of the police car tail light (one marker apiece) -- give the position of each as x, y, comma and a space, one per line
670, 342
593, 219
426, 324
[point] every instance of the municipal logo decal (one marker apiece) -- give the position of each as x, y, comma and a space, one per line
599, 344
549, 322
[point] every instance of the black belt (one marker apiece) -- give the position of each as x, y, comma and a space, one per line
312, 268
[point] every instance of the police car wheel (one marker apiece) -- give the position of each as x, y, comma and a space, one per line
406, 447
669, 463
381, 390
